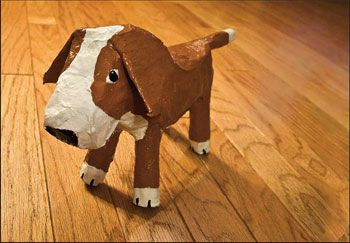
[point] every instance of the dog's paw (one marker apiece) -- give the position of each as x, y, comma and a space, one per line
146, 197
91, 175
200, 147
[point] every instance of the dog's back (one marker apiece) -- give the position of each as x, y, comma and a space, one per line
191, 54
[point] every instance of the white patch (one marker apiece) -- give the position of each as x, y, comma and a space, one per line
231, 34
134, 124
201, 147
143, 195
71, 106
91, 173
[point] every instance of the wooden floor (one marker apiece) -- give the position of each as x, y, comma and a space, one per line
278, 170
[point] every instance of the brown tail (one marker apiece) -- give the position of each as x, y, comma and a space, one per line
221, 38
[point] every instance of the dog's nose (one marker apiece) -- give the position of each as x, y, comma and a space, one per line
66, 136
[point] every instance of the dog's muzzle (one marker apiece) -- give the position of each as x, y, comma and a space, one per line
66, 136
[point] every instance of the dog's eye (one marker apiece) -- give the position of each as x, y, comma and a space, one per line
113, 76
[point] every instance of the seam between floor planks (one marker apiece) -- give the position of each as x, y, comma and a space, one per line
37, 114
33, 114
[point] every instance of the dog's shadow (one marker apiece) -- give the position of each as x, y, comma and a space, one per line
246, 182
122, 201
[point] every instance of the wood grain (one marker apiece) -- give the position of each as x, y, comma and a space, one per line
261, 210
320, 80
315, 29
330, 183
278, 167
302, 117
208, 213
298, 197
15, 52
25, 212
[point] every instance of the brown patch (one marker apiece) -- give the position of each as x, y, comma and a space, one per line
102, 157
148, 63
58, 65
74, 48
191, 54
117, 98
146, 173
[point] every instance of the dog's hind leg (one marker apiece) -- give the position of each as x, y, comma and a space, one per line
200, 125
97, 161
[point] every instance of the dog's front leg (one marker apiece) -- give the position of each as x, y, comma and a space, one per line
97, 161
146, 177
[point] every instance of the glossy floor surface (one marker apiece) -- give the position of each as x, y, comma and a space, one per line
278, 167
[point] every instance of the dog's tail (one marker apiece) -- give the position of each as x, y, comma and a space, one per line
221, 38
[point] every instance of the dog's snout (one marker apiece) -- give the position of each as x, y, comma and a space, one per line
66, 136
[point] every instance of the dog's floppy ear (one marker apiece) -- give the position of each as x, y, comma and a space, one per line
56, 68
148, 63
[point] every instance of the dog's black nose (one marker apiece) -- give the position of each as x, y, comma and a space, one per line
66, 136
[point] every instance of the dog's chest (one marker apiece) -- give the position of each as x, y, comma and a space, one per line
134, 124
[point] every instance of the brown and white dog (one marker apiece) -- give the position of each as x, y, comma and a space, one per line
122, 78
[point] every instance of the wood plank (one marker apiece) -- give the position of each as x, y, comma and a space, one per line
339, 13
248, 192
15, 52
77, 214
315, 29
261, 210
318, 129
304, 119
331, 185
328, 177
314, 76
302, 200
25, 213
206, 210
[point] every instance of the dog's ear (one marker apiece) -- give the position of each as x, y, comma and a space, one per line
148, 63
57, 66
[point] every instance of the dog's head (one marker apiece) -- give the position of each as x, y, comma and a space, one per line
101, 74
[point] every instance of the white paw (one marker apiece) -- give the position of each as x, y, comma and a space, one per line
146, 197
91, 175
200, 147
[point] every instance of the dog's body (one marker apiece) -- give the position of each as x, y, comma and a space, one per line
116, 78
